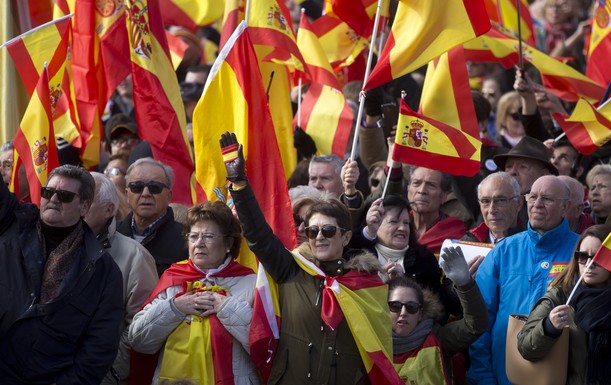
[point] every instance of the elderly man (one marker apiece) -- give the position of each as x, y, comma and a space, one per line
599, 182
578, 220
6, 162
151, 222
136, 264
500, 201
517, 271
426, 192
61, 291
325, 174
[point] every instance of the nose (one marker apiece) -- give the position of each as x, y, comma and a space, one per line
146, 191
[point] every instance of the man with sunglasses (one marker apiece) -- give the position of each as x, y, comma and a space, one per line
151, 222
517, 271
61, 297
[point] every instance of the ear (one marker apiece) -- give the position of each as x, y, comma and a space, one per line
346, 238
85, 206
108, 211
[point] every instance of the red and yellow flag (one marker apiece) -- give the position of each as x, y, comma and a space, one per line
587, 128
35, 140
598, 68
354, 13
41, 12
191, 13
339, 42
488, 48
235, 11
422, 31
508, 17
177, 48
603, 255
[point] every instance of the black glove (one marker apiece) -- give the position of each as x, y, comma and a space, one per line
233, 157
305, 145
373, 102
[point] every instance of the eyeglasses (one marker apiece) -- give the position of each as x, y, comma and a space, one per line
63, 196
7, 164
411, 306
298, 219
498, 201
547, 201
374, 182
328, 231
208, 238
515, 116
154, 187
128, 141
113, 171
582, 258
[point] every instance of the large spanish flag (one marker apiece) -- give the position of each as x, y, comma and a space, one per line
354, 13
598, 67
234, 100
587, 128
35, 139
508, 17
422, 31
191, 13
159, 108
603, 255
235, 11
339, 42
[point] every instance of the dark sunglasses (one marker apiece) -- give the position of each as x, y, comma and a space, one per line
113, 171
515, 116
154, 187
582, 258
374, 182
328, 231
298, 219
411, 307
62, 195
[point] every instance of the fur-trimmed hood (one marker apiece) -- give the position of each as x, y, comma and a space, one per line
360, 260
432, 306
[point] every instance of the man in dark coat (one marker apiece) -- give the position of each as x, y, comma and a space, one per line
60, 292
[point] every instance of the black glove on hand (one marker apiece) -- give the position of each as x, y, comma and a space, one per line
373, 102
233, 157
305, 145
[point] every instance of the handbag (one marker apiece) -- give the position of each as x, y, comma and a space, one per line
550, 370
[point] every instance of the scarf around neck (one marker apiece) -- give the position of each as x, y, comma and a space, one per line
406, 344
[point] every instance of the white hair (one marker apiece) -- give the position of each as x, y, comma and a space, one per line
105, 191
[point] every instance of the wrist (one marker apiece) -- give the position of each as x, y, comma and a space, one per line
373, 122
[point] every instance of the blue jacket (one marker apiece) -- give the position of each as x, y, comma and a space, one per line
513, 276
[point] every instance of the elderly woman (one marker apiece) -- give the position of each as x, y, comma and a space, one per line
334, 312
423, 349
588, 317
202, 306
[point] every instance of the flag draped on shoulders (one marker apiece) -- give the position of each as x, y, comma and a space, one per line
422, 31
598, 68
35, 139
159, 109
587, 128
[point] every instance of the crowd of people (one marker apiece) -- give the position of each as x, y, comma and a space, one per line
109, 282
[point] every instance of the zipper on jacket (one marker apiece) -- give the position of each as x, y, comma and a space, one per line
310, 360
319, 292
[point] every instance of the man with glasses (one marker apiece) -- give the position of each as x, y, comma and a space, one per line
151, 222
122, 134
517, 271
61, 297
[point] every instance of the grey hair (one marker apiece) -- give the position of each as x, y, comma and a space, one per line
597, 170
505, 177
575, 187
167, 170
328, 158
105, 191
298, 192
7, 146
87, 189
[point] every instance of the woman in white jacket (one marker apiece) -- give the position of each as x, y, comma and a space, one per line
202, 306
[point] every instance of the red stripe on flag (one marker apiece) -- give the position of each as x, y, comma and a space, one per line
477, 15
577, 134
603, 255
174, 15
382, 372
273, 38
24, 65
569, 89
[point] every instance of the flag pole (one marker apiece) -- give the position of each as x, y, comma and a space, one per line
299, 103
521, 60
246, 9
362, 94
588, 264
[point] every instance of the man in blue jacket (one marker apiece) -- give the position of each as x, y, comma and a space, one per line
515, 274
61, 298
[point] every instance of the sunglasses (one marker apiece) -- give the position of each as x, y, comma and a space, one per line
328, 231
582, 258
62, 195
374, 182
113, 171
411, 307
298, 219
154, 187
515, 116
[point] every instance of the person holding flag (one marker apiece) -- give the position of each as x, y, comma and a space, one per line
335, 326
587, 316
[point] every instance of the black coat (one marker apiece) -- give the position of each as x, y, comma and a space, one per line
74, 338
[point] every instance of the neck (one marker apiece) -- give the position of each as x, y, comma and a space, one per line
143, 223
422, 221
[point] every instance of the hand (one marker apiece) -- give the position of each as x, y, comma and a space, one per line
393, 269
474, 265
233, 157
373, 102
201, 303
305, 145
455, 265
350, 175
523, 84
546, 101
374, 217
559, 316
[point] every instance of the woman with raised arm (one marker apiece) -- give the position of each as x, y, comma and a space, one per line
334, 313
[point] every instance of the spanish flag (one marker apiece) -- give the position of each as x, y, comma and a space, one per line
341, 44
35, 139
354, 13
191, 14
177, 48
159, 108
603, 255
508, 17
235, 11
422, 31
587, 128
598, 68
